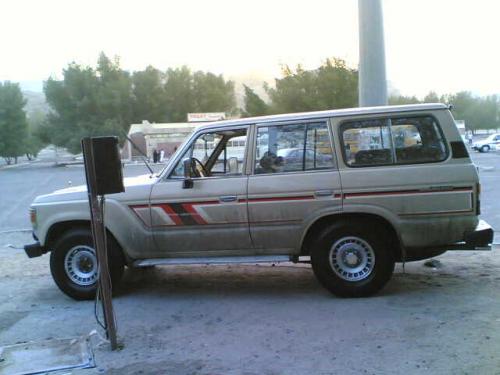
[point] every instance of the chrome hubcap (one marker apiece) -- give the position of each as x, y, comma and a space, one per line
80, 265
352, 258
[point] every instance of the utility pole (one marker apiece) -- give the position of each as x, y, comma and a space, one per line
372, 78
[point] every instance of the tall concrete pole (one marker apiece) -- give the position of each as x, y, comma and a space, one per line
372, 79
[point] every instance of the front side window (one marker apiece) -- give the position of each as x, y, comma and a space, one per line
218, 153
408, 140
292, 148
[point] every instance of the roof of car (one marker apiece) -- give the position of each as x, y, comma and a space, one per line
328, 114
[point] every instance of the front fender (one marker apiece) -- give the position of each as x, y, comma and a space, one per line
131, 234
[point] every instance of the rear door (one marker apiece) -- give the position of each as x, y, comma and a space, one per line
293, 179
401, 166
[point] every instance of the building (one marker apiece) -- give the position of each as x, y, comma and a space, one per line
167, 137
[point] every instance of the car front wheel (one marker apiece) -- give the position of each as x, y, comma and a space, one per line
353, 260
485, 148
74, 266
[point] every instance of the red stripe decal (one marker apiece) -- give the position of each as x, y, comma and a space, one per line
438, 213
277, 199
171, 213
398, 192
194, 214
370, 193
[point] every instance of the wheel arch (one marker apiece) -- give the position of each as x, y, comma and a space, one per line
56, 230
360, 217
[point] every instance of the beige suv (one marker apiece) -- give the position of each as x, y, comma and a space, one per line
352, 191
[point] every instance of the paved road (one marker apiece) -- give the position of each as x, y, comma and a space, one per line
252, 319
21, 184
261, 319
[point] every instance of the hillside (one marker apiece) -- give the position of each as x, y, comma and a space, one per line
35, 102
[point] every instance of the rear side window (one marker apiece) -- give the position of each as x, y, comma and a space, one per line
408, 140
292, 148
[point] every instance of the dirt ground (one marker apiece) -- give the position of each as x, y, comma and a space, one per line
260, 319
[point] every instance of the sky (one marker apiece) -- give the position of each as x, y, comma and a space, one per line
445, 46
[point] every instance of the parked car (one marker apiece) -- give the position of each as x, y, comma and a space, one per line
365, 198
293, 158
488, 144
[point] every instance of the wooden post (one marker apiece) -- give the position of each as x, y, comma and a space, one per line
98, 233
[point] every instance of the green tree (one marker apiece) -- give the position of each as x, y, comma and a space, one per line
187, 92
477, 112
332, 85
148, 95
464, 107
178, 94
88, 102
401, 100
432, 97
35, 140
13, 123
212, 93
253, 104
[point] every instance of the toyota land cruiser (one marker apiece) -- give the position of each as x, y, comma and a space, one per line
356, 190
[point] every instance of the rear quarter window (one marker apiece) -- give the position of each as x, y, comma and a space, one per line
392, 141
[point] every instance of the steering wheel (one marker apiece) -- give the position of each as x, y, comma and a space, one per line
199, 169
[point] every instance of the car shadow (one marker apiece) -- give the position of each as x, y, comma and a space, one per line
216, 280
262, 280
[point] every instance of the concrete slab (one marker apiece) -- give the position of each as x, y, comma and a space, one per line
46, 356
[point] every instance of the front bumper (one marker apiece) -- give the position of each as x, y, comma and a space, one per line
34, 250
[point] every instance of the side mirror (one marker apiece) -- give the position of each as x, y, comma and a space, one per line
188, 167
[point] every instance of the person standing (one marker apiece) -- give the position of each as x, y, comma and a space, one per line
155, 156
469, 138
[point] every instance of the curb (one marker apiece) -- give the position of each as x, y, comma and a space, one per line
6, 166
22, 230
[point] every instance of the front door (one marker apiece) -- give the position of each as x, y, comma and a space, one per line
294, 180
209, 219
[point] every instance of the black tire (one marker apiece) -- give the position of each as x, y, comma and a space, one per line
82, 237
356, 238
485, 148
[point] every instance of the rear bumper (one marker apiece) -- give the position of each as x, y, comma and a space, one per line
481, 237
34, 250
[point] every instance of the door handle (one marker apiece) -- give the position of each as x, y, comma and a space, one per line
323, 193
228, 198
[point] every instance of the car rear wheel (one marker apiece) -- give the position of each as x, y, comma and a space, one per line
74, 267
353, 260
485, 148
